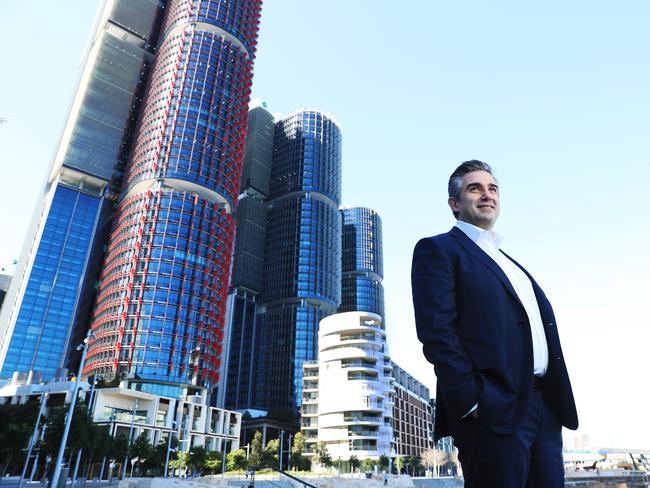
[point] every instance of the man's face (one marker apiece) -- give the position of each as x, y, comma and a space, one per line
479, 200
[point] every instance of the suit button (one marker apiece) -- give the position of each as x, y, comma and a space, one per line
521, 323
531, 357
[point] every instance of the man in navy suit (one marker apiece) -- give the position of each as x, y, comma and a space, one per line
503, 391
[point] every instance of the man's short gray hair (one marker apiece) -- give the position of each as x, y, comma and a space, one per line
456, 179
455, 186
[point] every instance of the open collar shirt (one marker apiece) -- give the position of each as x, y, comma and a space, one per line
490, 243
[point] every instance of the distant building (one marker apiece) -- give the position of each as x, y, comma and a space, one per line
302, 259
6, 273
348, 394
362, 261
193, 421
238, 381
412, 415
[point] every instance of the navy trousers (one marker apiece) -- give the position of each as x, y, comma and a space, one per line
531, 457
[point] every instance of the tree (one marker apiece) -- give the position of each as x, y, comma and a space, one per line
368, 464
101, 441
140, 449
213, 462
16, 427
354, 463
298, 444
297, 459
323, 455
197, 458
236, 460
155, 463
256, 450
80, 436
119, 448
407, 464
416, 465
270, 454
384, 462
431, 460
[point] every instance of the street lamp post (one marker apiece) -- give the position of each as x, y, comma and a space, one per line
281, 447
224, 457
289, 455
93, 393
34, 437
136, 404
64, 439
111, 419
169, 446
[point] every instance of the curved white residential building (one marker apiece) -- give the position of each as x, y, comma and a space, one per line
353, 389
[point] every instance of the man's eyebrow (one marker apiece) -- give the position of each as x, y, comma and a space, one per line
474, 185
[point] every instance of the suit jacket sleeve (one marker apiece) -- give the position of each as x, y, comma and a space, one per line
433, 281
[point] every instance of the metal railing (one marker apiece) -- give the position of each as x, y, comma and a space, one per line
304, 483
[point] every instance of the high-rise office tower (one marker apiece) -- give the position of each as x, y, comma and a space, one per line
160, 307
362, 265
49, 302
302, 258
239, 363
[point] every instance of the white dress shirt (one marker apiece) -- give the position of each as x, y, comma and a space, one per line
490, 242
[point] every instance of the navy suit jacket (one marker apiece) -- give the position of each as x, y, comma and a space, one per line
475, 331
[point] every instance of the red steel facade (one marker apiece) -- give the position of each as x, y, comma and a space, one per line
160, 307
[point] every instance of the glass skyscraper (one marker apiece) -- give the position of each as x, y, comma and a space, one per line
302, 259
160, 308
240, 362
48, 305
141, 190
362, 261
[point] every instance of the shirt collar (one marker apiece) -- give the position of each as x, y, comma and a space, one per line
480, 235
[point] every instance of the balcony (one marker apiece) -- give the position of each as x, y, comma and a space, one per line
309, 398
363, 433
358, 364
363, 418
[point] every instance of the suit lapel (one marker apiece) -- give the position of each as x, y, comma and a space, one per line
470, 246
542, 301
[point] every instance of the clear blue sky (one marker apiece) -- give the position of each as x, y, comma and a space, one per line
554, 95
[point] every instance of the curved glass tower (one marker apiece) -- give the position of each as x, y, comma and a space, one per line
301, 282
362, 261
159, 311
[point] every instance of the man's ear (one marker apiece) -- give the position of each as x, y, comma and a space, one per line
453, 204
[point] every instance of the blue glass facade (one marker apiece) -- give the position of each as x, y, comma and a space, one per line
242, 363
362, 261
160, 308
238, 386
44, 323
158, 314
91, 157
302, 257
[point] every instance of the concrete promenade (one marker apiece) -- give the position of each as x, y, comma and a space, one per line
261, 481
